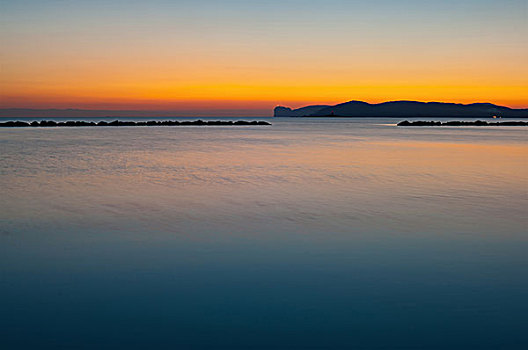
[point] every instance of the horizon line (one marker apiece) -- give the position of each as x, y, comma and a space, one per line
242, 109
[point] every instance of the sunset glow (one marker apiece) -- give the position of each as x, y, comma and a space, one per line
205, 55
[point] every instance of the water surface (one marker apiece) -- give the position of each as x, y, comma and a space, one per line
311, 233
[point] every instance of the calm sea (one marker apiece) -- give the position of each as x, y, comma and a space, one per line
311, 233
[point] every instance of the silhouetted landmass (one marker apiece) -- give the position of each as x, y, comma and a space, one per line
300, 112
461, 123
404, 109
51, 123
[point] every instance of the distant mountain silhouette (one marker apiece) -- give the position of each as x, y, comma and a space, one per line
404, 109
300, 112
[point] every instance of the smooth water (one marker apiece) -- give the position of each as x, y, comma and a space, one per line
311, 233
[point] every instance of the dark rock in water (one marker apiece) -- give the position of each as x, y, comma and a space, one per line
220, 122
48, 123
17, 124
78, 123
461, 123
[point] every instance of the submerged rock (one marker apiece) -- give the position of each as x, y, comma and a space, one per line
461, 123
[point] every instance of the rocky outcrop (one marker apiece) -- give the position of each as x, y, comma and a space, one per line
78, 123
461, 123
300, 112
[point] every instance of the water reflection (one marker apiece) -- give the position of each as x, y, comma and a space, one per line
305, 234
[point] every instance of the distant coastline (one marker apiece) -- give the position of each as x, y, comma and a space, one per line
75, 113
403, 109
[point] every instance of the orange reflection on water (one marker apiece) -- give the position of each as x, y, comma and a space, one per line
341, 176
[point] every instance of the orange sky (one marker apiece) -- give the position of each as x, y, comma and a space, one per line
225, 59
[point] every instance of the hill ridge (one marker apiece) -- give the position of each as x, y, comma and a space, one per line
403, 108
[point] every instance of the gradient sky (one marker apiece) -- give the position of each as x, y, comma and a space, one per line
202, 55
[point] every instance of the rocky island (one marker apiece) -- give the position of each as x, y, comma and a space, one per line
404, 109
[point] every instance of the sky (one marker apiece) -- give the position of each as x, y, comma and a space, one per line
205, 55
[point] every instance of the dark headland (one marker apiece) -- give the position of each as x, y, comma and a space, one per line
77, 123
404, 109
